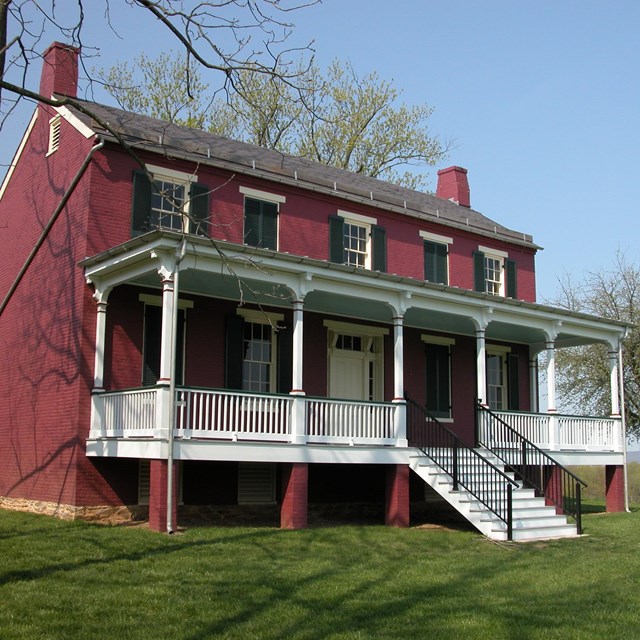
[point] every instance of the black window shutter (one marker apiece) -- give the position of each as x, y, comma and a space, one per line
379, 245
285, 360
435, 262
336, 239
252, 230
234, 351
514, 381
151, 347
512, 281
140, 204
269, 239
199, 209
179, 368
478, 272
438, 376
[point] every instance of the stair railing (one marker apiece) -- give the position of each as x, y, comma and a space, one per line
466, 467
533, 466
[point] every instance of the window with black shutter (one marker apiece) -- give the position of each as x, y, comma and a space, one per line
438, 379
435, 262
167, 202
260, 223
358, 241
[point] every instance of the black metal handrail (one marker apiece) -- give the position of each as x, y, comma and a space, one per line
532, 465
467, 468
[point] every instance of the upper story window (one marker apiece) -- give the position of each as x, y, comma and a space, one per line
358, 241
261, 218
436, 257
494, 272
172, 200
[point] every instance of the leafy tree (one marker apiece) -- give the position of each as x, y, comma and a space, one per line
583, 372
336, 118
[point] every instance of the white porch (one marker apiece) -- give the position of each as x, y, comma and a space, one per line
160, 259
214, 415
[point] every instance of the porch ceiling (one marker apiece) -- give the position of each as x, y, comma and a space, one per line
272, 278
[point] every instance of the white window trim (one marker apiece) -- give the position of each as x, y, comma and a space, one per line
441, 340
172, 175
260, 317
263, 195
434, 237
156, 301
352, 329
357, 217
496, 253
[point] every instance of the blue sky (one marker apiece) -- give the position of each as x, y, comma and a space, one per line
541, 97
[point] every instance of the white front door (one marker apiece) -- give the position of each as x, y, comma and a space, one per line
355, 366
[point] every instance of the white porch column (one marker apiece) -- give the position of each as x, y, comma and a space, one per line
615, 389
298, 355
551, 376
100, 295
163, 404
481, 365
298, 411
165, 331
400, 420
554, 427
398, 358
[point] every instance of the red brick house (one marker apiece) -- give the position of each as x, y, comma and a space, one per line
324, 338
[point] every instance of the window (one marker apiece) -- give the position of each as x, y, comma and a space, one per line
258, 352
358, 241
503, 387
494, 273
436, 251
438, 375
258, 364
261, 218
496, 381
152, 337
167, 206
173, 200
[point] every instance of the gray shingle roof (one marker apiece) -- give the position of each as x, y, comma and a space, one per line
172, 140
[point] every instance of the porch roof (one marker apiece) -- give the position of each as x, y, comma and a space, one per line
239, 272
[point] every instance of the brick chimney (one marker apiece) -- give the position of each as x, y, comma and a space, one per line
60, 71
453, 185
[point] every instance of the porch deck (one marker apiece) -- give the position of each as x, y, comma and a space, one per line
239, 416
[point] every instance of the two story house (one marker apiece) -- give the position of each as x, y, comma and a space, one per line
191, 321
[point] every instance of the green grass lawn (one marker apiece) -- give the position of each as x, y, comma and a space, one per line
75, 580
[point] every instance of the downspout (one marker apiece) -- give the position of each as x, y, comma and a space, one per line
45, 232
623, 424
172, 386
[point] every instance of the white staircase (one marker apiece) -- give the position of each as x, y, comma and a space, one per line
532, 519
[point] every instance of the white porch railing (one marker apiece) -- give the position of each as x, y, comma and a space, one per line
238, 415
233, 415
350, 422
121, 414
556, 432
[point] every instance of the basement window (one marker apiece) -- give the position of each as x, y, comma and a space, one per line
54, 134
